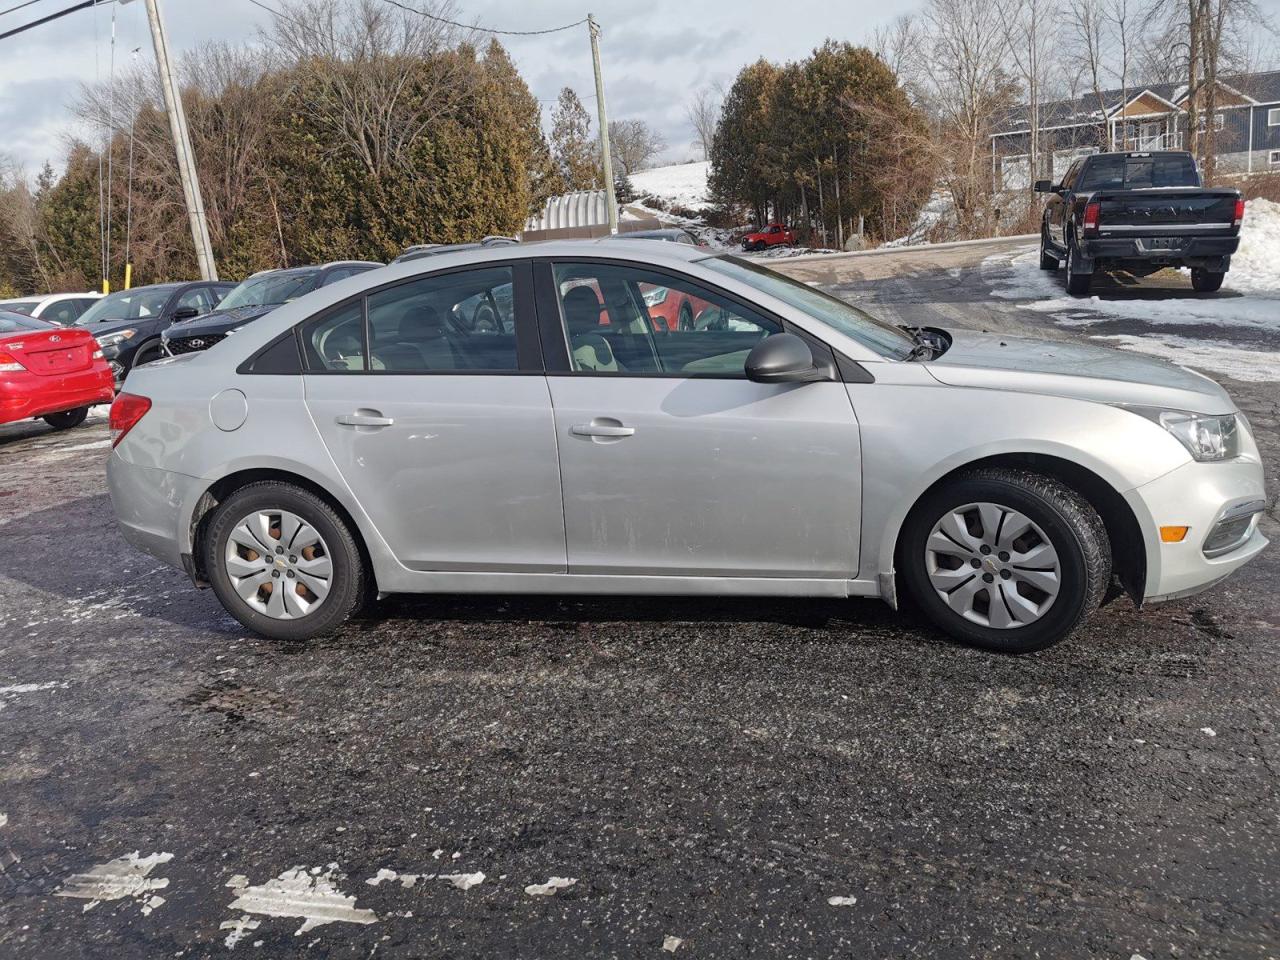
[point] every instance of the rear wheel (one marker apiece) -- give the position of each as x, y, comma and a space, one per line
67, 419
1006, 559
1206, 281
1047, 262
283, 562
1078, 283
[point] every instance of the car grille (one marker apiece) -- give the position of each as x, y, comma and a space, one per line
180, 345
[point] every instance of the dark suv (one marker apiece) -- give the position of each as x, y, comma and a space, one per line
254, 298
128, 324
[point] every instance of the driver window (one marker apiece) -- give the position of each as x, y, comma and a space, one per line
629, 320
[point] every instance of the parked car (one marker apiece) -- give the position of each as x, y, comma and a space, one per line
254, 298
805, 449
60, 308
670, 234
420, 250
128, 323
774, 235
1140, 212
49, 372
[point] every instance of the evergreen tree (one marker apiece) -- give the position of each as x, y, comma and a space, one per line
575, 151
623, 189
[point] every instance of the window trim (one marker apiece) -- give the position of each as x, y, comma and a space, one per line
1273, 117
528, 351
554, 335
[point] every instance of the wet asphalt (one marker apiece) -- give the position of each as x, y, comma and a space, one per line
711, 773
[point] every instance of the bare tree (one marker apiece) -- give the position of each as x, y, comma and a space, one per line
1089, 48
703, 112
1120, 18
1029, 29
634, 144
897, 45
374, 74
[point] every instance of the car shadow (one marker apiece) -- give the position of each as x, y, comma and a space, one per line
1166, 284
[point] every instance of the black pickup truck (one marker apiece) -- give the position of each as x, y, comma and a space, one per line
1138, 212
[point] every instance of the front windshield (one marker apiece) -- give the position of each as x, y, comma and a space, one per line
126, 305
883, 338
269, 290
20, 306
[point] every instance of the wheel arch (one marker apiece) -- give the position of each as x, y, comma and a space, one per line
1129, 557
225, 486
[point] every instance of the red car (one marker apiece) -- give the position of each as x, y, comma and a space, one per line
774, 235
55, 373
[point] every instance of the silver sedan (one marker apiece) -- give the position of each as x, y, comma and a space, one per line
651, 418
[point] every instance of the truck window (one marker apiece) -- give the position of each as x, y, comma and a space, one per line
1120, 172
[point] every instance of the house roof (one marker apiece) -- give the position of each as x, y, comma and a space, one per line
1259, 87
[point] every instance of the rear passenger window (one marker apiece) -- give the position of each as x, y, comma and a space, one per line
458, 321
335, 342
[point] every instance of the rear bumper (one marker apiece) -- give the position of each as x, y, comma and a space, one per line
1207, 498
28, 395
151, 506
1177, 249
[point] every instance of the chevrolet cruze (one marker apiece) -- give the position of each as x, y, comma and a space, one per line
509, 420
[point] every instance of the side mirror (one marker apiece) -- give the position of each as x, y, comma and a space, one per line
782, 358
1045, 186
185, 313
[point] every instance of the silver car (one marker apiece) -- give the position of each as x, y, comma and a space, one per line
525, 419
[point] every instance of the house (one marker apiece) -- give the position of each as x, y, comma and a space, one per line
1143, 117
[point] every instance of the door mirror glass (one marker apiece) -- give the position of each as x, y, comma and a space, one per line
1046, 186
782, 358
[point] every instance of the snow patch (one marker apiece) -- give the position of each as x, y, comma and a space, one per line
239, 929
127, 876
1217, 356
14, 688
1255, 267
1209, 731
550, 887
406, 880
463, 881
671, 944
4, 819
841, 901
682, 184
298, 892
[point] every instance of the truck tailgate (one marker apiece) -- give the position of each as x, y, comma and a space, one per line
1165, 210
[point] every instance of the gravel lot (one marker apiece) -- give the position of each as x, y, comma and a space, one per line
710, 773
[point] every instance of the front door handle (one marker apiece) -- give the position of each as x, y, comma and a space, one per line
364, 418
602, 427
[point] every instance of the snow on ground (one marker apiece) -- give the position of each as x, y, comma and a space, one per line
682, 184
931, 214
1250, 300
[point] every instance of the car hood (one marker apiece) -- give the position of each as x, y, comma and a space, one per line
111, 326
219, 321
1079, 370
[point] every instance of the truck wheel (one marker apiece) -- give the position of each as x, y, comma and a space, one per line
1005, 559
1078, 283
66, 420
1206, 281
1046, 262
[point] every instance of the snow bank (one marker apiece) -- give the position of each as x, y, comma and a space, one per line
1255, 268
682, 184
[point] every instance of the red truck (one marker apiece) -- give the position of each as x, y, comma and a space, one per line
774, 235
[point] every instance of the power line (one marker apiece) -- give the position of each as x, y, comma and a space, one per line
83, 5
467, 26
278, 13
19, 7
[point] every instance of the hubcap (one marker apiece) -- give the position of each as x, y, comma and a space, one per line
992, 565
278, 564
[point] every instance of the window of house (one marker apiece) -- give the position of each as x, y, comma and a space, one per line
1273, 117
1275, 158
1219, 121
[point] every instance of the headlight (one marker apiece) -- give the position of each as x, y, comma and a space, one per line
112, 339
655, 296
1207, 438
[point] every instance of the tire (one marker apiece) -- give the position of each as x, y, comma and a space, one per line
685, 321
67, 419
146, 354
1046, 261
1028, 618
1206, 281
345, 588
1077, 283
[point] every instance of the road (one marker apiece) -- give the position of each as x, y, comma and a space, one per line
727, 778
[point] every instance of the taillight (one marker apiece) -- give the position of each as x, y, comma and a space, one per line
9, 363
1092, 217
126, 411
1239, 217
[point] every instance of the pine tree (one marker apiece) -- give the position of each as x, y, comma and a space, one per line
576, 153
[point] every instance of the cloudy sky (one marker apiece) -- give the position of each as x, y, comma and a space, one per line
656, 52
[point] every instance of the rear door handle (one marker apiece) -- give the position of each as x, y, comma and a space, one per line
602, 427
371, 419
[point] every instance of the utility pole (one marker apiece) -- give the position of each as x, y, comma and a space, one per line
605, 151
182, 144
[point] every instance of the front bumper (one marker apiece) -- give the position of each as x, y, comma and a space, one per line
1210, 499
152, 507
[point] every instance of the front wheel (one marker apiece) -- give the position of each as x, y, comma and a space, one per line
1206, 281
1005, 559
283, 562
67, 419
1047, 262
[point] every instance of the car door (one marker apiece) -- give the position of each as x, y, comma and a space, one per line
1057, 206
444, 434
671, 461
